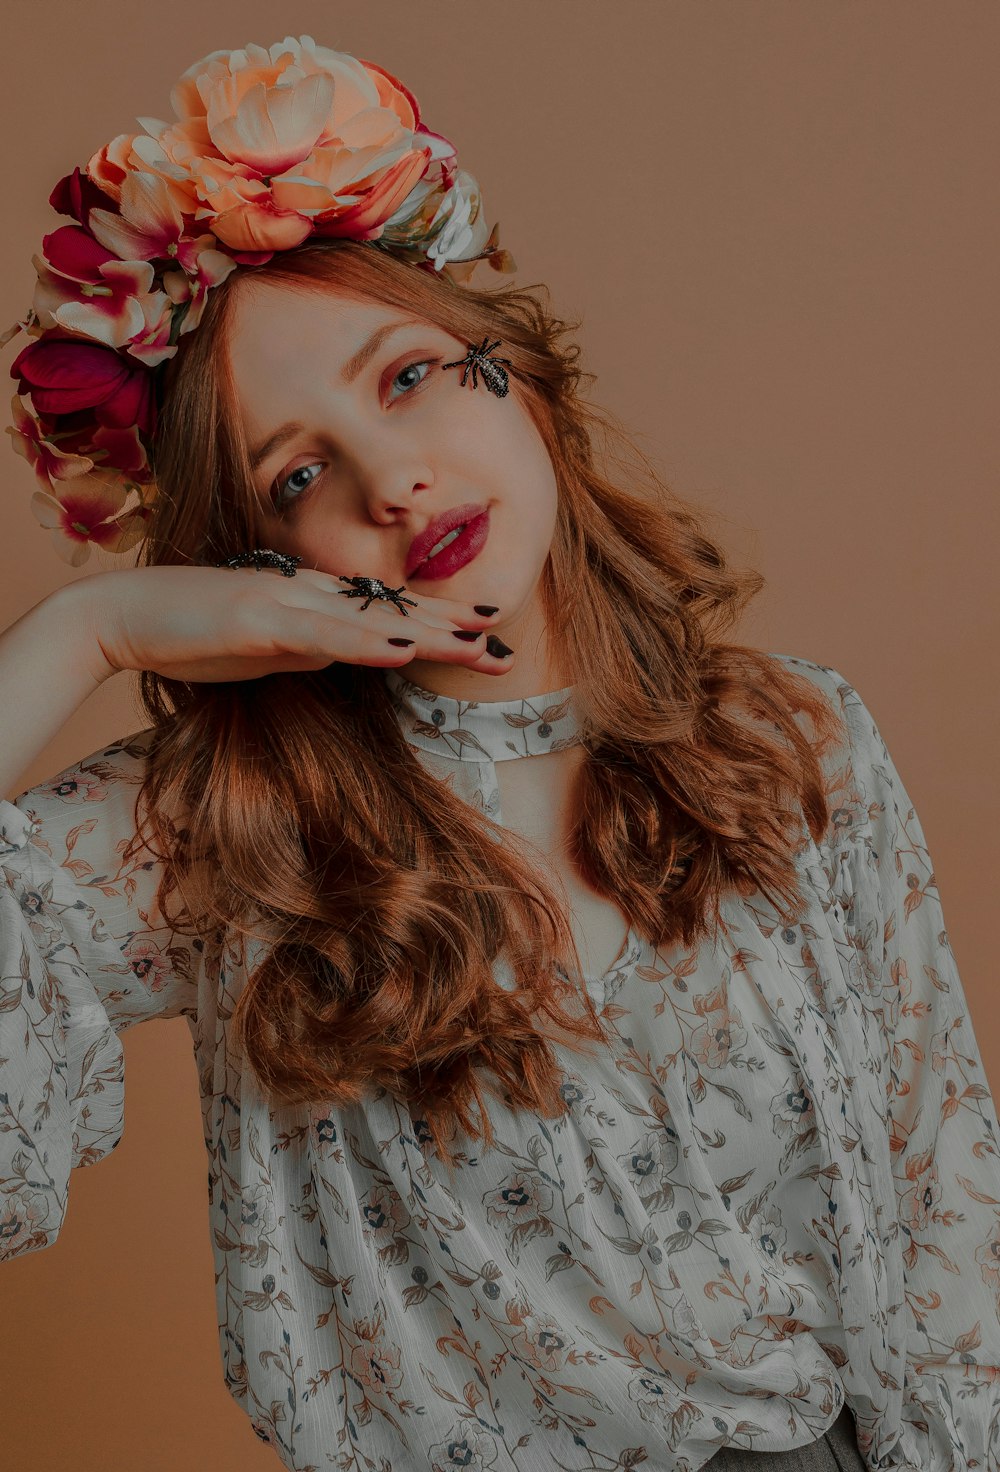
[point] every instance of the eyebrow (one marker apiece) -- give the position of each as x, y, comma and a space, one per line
354, 365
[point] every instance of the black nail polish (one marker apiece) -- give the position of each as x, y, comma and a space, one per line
402, 642
465, 634
485, 610
497, 647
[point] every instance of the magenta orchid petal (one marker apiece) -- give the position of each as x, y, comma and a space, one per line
118, 447
91, 512
124, 532
151, 344
73, 252
104, 305
77, 515
214, 265
47, 460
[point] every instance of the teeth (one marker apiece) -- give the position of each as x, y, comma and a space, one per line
445, 541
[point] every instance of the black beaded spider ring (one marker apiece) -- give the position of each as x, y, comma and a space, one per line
264, 557
371, 588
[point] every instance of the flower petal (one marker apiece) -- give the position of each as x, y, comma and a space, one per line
255, 227
73, 252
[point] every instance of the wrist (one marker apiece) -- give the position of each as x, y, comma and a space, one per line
73, 613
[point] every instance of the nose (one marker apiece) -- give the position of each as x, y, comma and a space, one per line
391, 481
392, 496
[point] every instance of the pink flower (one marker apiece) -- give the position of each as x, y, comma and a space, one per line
85, 288
63, 376
89, 510
151, 344
203, 269
34, 440
270, 145
104, 445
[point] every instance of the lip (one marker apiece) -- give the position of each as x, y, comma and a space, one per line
463, 549
440, 527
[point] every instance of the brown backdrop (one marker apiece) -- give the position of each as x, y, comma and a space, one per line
779, 222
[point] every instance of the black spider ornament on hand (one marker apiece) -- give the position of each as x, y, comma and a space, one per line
371, 588
263, 557
478, 360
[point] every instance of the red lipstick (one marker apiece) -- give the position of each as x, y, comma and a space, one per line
468, 515
467, 545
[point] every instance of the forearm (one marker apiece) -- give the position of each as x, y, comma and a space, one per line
49, 663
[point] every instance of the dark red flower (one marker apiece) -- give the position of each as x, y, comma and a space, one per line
76, 195
62, 377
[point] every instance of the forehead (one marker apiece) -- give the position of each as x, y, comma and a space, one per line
280, 336
265, 315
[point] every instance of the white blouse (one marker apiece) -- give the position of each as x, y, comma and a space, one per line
777, 1189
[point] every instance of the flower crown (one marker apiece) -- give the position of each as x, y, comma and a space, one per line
271, 148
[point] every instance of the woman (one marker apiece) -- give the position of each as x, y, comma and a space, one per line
619, 1107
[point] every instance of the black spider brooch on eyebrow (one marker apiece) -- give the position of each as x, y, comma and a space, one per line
371, 588
479, 360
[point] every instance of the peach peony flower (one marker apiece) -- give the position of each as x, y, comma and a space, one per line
271, 145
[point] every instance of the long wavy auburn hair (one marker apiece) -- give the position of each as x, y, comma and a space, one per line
290, 808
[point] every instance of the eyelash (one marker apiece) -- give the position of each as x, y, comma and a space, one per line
279, 490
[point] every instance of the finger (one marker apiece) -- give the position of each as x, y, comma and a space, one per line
441, 610
314, 633
443, 613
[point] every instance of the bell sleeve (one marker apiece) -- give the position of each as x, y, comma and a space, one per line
84, 953
941, 1116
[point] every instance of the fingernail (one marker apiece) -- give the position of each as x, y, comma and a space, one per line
465, 633
402, 641
484, 609
497, 647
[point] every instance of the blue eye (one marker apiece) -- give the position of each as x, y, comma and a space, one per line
410, 367
293, 485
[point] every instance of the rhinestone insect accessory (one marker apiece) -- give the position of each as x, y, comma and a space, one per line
264, 557
478, 360
371, 588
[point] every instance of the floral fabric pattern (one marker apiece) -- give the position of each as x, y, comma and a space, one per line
776, 1191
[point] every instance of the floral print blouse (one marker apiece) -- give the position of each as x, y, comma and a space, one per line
777, 1190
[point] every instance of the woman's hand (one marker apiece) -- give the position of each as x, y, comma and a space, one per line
215, 624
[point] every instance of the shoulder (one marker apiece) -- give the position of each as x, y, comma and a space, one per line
828, 681
861, 780
102, 786
846, 705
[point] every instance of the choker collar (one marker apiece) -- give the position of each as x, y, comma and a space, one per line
483, 730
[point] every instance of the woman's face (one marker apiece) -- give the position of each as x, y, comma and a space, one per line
355, 456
